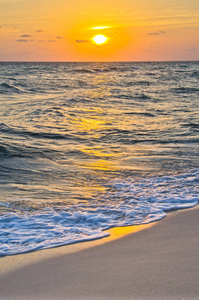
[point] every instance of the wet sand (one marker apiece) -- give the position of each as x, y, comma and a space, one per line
161, 262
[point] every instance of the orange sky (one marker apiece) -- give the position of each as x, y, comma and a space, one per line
62, 30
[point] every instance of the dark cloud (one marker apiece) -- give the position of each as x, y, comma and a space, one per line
60, 37
25, 36
156, 33
22, 41
39, 30
82, 41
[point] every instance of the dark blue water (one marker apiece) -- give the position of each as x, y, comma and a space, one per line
88, 146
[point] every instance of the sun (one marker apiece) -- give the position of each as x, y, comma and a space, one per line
100, 39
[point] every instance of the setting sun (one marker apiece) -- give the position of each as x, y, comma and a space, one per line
100, 39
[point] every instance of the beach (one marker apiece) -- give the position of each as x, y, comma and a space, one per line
159, 262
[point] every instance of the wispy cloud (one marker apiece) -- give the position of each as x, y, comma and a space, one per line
191, 49
159, 32
25, 36
46, 41
60, 37
22, 41
100, 27
82, 41
39, 30
174, 18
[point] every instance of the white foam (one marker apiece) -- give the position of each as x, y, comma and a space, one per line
133, 202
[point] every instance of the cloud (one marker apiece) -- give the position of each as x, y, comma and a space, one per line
39, 30
156, 32
191, 49
25, 36
22, 41
60, 37
81, 41
100, 27
46, 41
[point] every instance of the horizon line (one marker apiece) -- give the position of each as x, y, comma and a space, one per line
122, 61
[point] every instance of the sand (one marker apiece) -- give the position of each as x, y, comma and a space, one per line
161, 262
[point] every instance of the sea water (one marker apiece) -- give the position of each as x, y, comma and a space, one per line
89, 146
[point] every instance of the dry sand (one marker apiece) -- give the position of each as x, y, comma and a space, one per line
161, 262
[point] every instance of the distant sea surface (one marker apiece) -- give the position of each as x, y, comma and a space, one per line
89, 146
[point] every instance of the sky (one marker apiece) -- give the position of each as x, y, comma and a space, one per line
63, 30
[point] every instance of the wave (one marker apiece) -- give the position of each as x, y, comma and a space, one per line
4, 152
127, 202
95, 70
111, 69
136, 83
195, 74
10, 151
133, 96
6, 88
41, 135
142, 96
140, 114
130, 137
30, 88
185, 90
191, 125
82, 71
77, 100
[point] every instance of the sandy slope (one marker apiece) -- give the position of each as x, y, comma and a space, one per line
161, 262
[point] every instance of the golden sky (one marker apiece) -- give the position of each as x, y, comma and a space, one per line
63, 30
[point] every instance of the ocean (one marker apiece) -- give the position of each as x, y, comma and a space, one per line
89, 146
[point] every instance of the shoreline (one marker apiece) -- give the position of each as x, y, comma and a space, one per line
143, 264
13, 262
